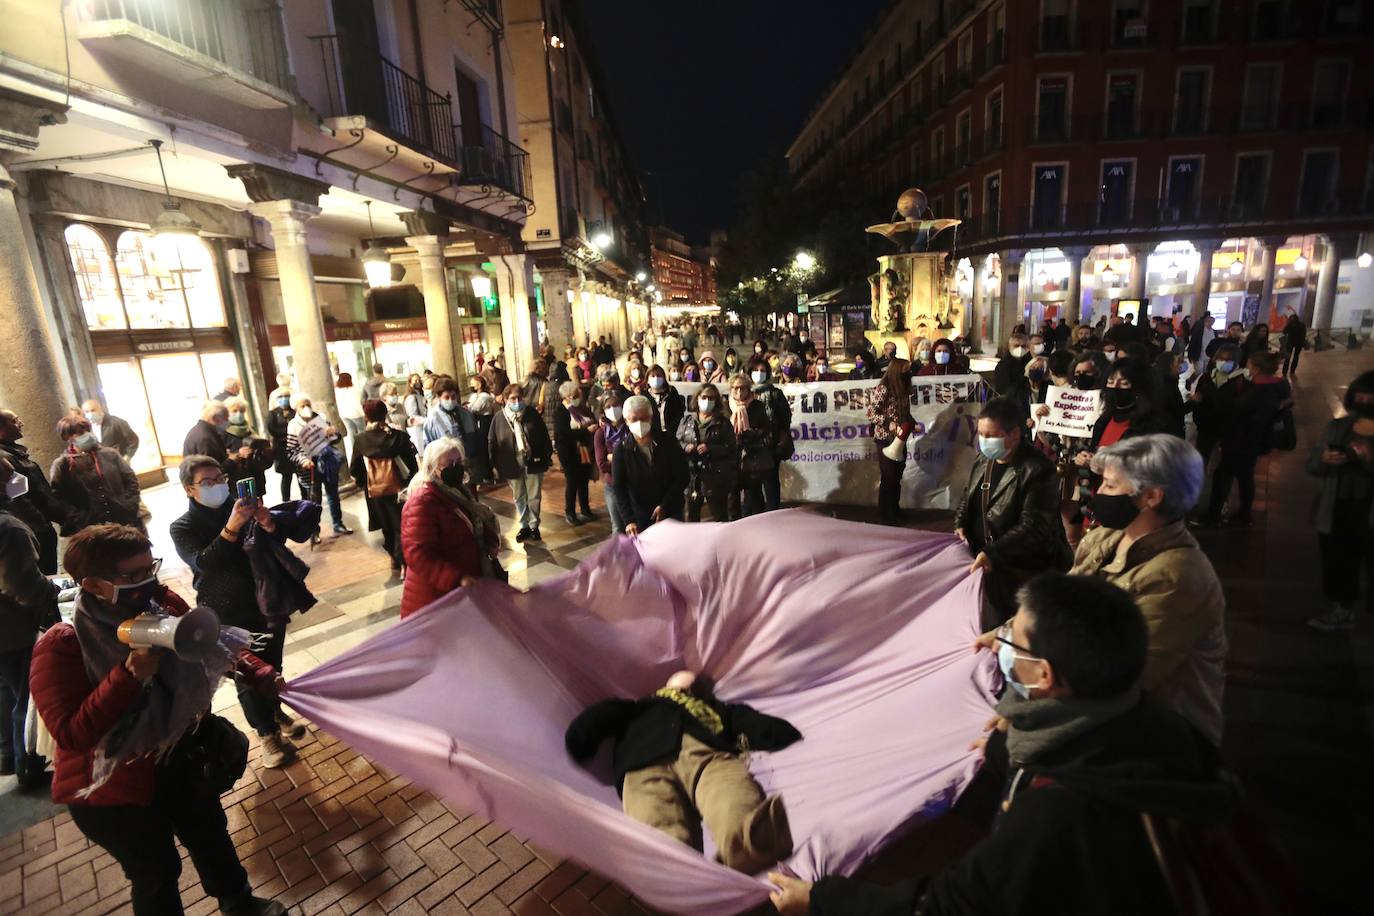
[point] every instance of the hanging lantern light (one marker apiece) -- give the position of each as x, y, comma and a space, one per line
1108, 276
1300, 262
173, 231
1237, 266
1365, 259
376, 261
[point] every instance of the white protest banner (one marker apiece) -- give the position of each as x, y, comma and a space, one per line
1072, 412
836, 460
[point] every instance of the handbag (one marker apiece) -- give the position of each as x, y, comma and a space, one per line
213, 753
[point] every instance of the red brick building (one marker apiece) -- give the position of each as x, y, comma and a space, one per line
1203, 154
683, 274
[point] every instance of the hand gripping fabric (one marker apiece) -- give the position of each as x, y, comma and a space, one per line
858, 635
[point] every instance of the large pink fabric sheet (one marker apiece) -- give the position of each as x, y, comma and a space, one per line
858, 635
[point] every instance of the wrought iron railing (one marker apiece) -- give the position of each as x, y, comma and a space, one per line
494, 160
400, 105
245, 35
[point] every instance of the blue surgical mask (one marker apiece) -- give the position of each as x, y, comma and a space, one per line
213, 496
283, 403
516, 406
759, 377
1006, 660
942, 357
657, 382
86, 441
993, 448
1226, 366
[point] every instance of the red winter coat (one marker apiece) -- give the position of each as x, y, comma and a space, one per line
78, 715
440, 548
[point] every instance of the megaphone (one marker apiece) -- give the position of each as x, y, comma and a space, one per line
191, 636
896, 449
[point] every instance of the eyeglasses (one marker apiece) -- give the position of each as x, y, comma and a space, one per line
138, 575
1004, 635
212, 481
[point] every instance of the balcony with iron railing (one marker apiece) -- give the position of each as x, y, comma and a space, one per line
493, 161
234, 49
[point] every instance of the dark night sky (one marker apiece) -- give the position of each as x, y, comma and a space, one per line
704, 92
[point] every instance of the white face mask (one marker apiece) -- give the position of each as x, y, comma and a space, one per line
1110, 354
613, 414
706, 405
306, 413
759, 377
640, 428
393, 399
212, 496
1037, 349
1018, 352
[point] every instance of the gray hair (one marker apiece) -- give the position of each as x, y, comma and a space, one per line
211, 409
568, 389
637, 404
1157, 460
193, 463
435, 452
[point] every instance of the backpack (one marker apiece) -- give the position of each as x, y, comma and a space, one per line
383, 477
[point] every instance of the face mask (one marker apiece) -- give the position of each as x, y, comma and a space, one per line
634, 375
675, 375
515, 406
306, 413
1037, 375
1084, 381
709, 365
923, 355
283, 403
822, 368
759, 377
1118, 398
212, 496
1006, 660
803, 338
993, 448
657, 382
16, 486
1114, 511
138, 597
1226, 366
613, 414
706, 405
789, 371
942, 357
1110, 354
731, 361
222, 427
758, 349
1037, 349
683, 355
1018, 352
640, 428
448, 404
236, 419
452, 476
582, 357
94, 416
85, 442
859, 364
1184, 368
1246, 373
392, 400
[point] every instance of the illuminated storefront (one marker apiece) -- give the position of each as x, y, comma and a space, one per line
156, 317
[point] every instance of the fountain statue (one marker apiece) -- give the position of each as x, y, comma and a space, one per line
911, 292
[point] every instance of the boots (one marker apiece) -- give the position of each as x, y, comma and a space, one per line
289, 728
276, 751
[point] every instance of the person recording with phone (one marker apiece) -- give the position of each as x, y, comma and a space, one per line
210, 539
141, 762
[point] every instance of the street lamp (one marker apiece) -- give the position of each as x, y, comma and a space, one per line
1042, 276
641, 277
376, 262
1365, 259
172, 229
804, 261
1237, 266
1300, 262
601, 241
1108, 276
651, 287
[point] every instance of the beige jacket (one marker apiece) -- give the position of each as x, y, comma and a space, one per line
1177, 590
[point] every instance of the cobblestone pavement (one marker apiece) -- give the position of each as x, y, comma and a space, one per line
333, 833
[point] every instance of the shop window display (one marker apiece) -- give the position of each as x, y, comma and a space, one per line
96, 282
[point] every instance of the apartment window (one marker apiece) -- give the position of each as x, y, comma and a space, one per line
916, 162
1185, 186
1047, 190
1329, 81
1114, 192
1268, 22
1252, 183
1317, 186
1052, 109
1190, 101
937, 150
997, 35
937, 206
1123, 96
993, 125
1055, 24
1199, 21
1260, 109
963, 134
1129, 27
962, 203
964, 53
992, 201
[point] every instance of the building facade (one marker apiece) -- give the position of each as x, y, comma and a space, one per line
683, 273
1192, 155
586, 233
251, 187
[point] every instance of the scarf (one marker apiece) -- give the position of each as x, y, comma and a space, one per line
517, 427
698, 708
172, 701
579, 413
241, 431
739, 415
480, 518
1040, 726
1219, 378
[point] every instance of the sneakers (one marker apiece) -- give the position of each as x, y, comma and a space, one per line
289, 728
276, 752
1335, 620
572, 520
522, 536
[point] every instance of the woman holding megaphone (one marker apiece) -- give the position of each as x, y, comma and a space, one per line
140, 760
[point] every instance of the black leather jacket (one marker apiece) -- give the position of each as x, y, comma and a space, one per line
1021, 528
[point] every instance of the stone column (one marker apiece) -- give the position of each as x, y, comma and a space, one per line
33, 382
1270, 247
1140, 254
1073, 296
978, 307
514, 280
1202, 280
558, 312
1009, 309
288, 202
1338, 247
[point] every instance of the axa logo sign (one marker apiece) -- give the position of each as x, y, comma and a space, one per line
1049, 174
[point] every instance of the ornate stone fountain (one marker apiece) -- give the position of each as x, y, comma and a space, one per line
911, 292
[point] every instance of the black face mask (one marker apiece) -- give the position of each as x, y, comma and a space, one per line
1084, 381
452, 476
1114, 511
1118, 399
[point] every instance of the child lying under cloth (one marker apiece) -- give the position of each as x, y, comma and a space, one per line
679, 760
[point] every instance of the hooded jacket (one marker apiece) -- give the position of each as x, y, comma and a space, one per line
100, 487
1071, 839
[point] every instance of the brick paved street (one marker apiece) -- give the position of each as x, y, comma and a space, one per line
334, 834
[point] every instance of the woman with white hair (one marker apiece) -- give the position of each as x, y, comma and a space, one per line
311, 441
1149, 483
448, 538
